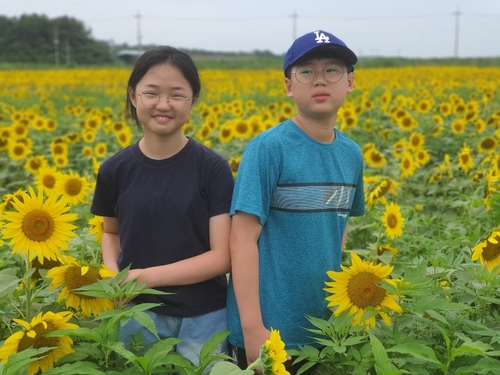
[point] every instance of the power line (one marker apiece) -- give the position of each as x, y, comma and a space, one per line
294, 16
139, 35
457, 14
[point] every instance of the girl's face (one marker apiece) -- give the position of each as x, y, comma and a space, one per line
163, 99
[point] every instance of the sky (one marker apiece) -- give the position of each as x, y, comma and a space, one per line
393, 28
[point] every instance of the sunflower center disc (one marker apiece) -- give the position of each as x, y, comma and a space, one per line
364, 290
38, 225
492, 251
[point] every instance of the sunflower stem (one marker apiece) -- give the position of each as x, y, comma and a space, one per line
27, 288
256, 365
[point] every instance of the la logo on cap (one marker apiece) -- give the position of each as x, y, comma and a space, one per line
321, 37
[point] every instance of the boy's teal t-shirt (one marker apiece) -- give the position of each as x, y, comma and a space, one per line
303, 192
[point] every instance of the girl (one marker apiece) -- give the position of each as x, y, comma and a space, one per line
165, 202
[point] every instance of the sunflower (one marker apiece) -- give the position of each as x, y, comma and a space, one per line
73, 188
458, 126
374, 158
72, 137
95, 165
424, 106
46, 179
49, 264
422, 157
488, 250
496, 164
88, 135
399, 147
100, 149
488, 144
50, 125
386, 248
234, 163
39, 227
359, 287
58, 148
385, 186
35, 163
18, 150
226, 133
272, 356
416, 141
407, 123
408, 165
87, 151
241, 129
4, 143
465, 161
492, 186
33, 335
349, 122
203, 133
61, 161
445, 108
393, 220
92, 122
73, 276
438, 120
8, 200
96, 227
124, 137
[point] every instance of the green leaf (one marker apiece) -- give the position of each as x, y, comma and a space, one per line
228, 368
18, 362
8, 283
76, 368
437, 316
382, 364
157, 354
147, 322
488, 366
210, 346
416, 350
470, 348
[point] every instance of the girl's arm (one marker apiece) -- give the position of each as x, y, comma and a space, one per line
193, 270
111, 249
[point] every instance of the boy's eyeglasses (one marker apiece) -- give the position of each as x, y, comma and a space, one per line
150, 99
332, 73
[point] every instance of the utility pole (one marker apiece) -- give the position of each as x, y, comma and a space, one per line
56, 45
68, 56
294, 24
457, 30
139, 36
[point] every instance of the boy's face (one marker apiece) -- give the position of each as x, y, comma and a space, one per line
319, 86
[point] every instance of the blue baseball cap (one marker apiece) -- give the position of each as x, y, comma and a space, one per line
319, 39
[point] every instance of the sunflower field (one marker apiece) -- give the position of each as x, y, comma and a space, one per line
419, 291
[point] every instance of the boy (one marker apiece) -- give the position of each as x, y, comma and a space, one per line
296, 187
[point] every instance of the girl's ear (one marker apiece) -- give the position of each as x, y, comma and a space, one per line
131, 95
193, 102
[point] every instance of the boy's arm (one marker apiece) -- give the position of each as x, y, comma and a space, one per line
110, 243
245, 231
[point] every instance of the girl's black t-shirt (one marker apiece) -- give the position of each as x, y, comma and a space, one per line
163, 208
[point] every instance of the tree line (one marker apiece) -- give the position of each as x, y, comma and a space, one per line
59, 41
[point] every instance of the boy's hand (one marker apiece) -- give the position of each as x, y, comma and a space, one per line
254, 339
